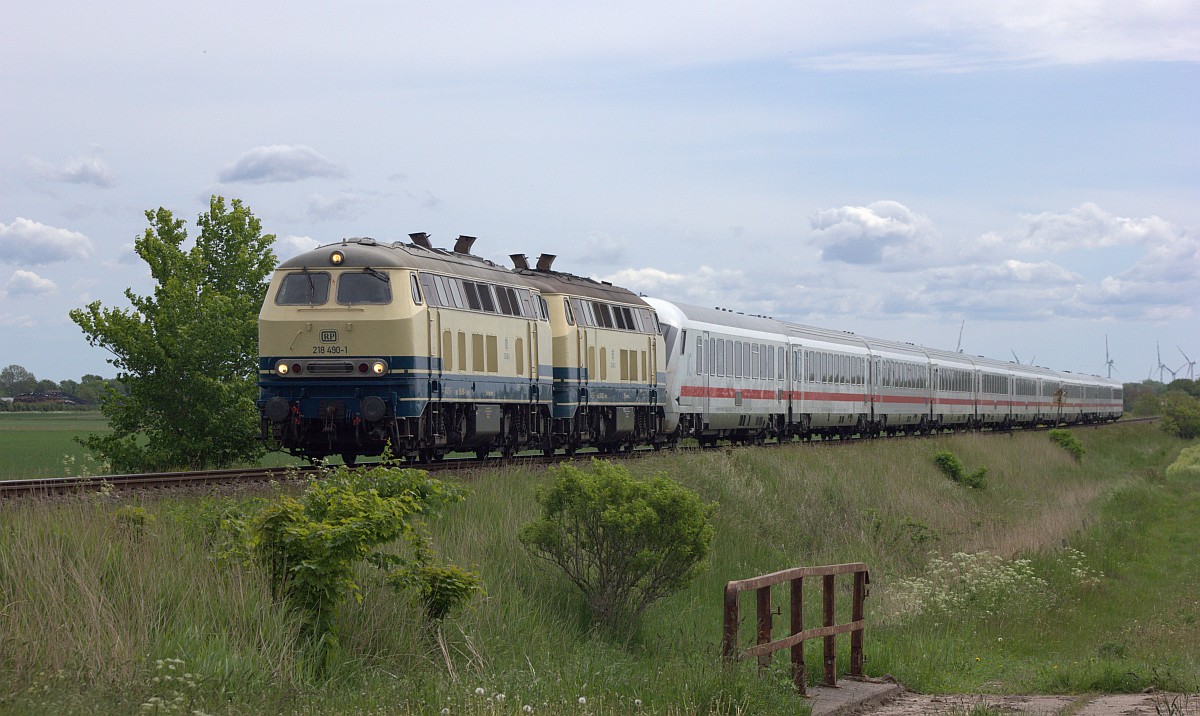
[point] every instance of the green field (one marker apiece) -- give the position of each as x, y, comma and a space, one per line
36, 445
1060, 576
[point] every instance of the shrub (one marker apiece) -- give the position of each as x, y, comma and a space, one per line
625, 542
1067, 441
1186, 465
312, 546
1181, 415
955, 470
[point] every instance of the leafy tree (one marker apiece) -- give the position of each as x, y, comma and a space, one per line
15, 380
625, 542
187, 352
1181, 415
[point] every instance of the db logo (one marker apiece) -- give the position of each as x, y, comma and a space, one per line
329, 336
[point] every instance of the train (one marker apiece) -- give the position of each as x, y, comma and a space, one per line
367, 347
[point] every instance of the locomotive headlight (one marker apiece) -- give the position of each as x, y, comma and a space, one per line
379, 367
281, 368
336, 258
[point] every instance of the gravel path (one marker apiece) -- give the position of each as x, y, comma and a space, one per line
1152, 704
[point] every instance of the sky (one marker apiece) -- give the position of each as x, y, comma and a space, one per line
1012, 178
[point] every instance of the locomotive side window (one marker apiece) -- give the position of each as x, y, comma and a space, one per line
567, 312
368, 287
303, 288
416, 290
472, 293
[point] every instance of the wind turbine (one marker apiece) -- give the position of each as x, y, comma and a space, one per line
1162, 367
1190, 365
1108, 361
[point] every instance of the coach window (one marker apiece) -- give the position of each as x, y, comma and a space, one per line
303, 288
710, 356
368, 287
720, 357
699, 355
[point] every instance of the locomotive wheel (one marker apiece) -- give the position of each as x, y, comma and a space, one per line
482, 453
350, 458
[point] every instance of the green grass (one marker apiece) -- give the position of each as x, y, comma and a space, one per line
34, 445
88, 607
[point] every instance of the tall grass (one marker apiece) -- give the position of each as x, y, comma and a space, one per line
91, 604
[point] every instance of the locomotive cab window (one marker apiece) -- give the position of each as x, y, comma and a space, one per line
369, 286
303, 288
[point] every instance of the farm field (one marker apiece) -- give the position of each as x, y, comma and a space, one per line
1060, 576
34, 444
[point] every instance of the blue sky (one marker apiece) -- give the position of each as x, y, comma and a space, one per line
1030, 168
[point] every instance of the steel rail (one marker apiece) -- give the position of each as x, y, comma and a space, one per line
47, 486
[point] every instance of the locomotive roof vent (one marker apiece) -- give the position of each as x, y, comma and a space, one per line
520, 261
545, 261
421, 239
463, 244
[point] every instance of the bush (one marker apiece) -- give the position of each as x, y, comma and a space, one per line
1181, 415
1067, 441
1186, 465
625, 542
955, 470
312, 546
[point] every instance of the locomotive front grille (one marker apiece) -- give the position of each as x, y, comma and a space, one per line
339, 367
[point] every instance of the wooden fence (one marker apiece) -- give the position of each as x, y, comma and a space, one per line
765, 646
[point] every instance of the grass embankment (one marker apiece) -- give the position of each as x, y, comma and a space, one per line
93, 600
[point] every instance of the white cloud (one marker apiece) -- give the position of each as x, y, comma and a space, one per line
85, 169
884, 233
28, 283
280, 163
1085, 227
290, 245
31, 242
344, 206
603, 249
14, 321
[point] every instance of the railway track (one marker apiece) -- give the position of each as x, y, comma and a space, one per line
51, 486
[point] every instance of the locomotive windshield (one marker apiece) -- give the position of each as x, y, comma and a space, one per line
370, 286
303, 288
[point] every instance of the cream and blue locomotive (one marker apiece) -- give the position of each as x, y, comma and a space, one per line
609, 365
364, 344
429, 351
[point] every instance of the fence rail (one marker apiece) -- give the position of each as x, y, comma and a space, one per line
765, 647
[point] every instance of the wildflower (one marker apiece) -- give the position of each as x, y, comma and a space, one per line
527, 709
977, 658
445, 710
500, 698
583, 701
479, 691
637, 702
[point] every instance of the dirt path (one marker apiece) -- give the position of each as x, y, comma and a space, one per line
909, 704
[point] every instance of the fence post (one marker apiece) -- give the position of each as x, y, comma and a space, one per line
730, 649
856, 636
763, 595
799, 672
830, 646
